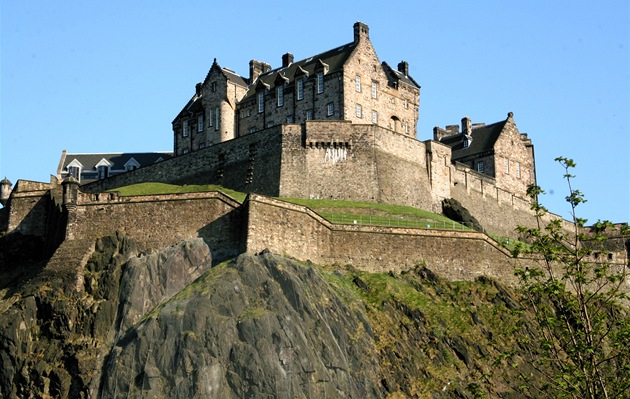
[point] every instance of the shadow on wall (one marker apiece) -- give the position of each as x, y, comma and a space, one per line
225, 236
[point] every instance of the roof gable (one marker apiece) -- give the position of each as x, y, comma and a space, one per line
482, 141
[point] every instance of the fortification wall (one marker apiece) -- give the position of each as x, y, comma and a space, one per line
250, 163
498, 211
295, 231
161, 220
342, 160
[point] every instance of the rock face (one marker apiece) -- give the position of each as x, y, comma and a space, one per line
257, 327
168, 324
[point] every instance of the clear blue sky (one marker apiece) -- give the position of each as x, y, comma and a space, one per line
109, 76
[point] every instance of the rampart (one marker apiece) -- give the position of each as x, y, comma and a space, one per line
339, 160
296, 231
160, 220
230, 228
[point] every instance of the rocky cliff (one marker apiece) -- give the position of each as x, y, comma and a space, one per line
166, 323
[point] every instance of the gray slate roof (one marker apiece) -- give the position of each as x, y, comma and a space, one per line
118, 160
483, 139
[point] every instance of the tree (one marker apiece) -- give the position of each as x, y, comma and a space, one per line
577, 343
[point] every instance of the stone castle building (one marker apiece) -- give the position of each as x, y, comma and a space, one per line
337, 125
346, 83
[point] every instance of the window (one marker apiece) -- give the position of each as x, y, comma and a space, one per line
320, 82
374, 117
290, 119
481, 167
518, 170
200, 123
358, 110
185, 151
330, 109
309, 115
213, 87
507, 166
357, 82
185, 129
300, 89
373, 89
261, 102
131, 164
210, 118
405, 104
217, 118
406, 128
466, 141
280, 96
73, 171
103, 171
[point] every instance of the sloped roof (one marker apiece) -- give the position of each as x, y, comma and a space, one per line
334, 59
117, 160
394, 74
483, 139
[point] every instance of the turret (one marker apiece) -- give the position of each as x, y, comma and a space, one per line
5, 191
70, 191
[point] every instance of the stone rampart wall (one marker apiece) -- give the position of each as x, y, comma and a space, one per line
342, 160
296, 231
497, 210
250, 163
161, 220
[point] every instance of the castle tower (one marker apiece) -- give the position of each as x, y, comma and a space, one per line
5, 191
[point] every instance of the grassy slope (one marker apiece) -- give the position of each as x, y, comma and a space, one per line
337, 211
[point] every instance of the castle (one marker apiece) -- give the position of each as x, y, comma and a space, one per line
337, 125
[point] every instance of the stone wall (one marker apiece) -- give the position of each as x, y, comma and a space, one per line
161, 220
296, 231
250, 163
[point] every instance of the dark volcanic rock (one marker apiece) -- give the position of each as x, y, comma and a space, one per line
259, 327
452, 209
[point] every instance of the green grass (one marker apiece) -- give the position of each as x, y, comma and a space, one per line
335, 211
153, 188
376, 214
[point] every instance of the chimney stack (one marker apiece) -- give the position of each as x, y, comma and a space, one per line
403, 67
466, 126
257, 68
287, 59
361, 30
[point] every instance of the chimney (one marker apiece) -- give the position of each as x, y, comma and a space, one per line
257, 68
287, 59
198, 89
361, 30
466, 126
403, 67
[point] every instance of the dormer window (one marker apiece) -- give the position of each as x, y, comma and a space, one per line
131, 164
103, 168
74, 169
467, 140
103, 172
